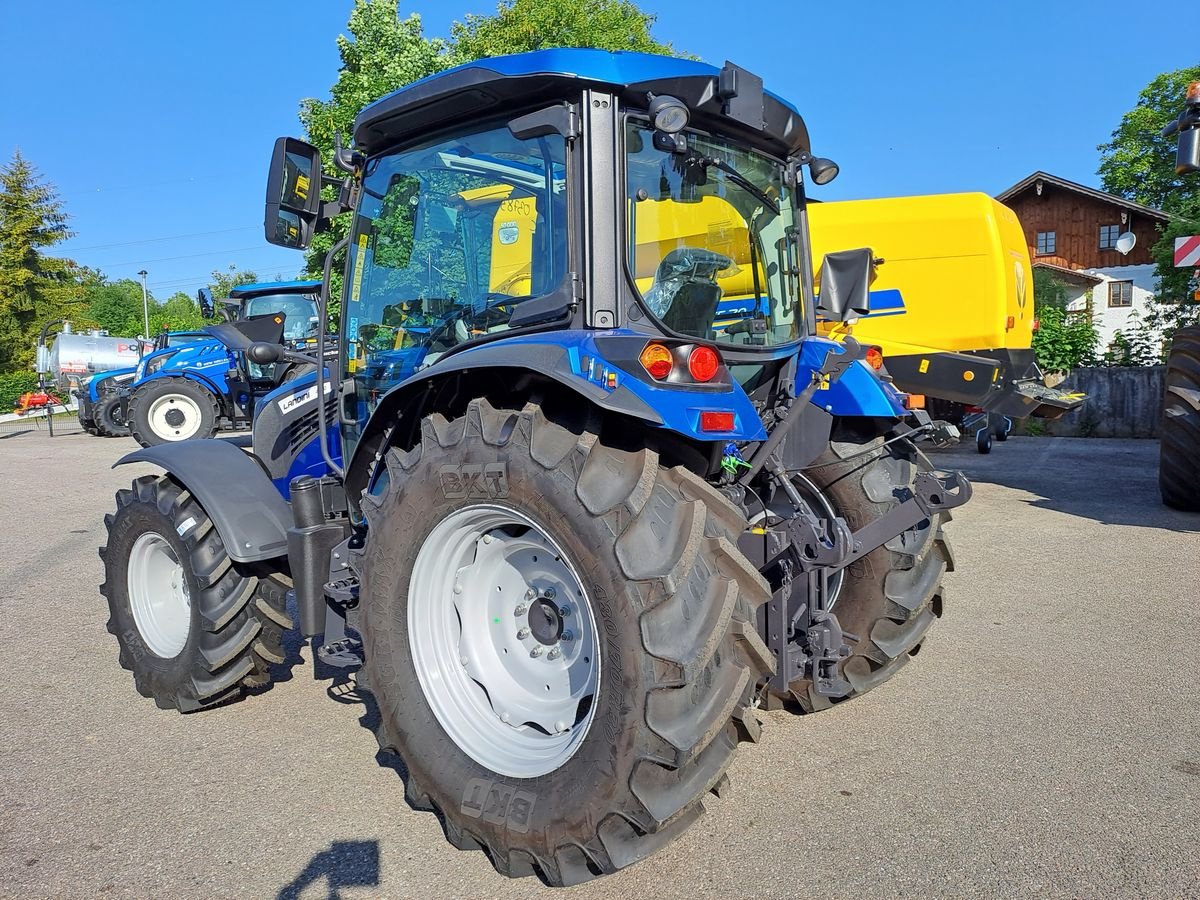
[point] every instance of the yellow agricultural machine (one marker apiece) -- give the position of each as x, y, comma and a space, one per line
951, 309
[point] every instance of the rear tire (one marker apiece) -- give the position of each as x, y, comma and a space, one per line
1179, 447
673, 604
110, 419
194, 627
172, 409
891, 597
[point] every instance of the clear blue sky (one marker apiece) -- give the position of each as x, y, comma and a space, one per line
156, 120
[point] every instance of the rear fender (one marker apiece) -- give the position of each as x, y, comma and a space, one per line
859, 392
245, 507
576, 360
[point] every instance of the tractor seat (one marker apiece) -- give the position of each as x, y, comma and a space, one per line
685, 292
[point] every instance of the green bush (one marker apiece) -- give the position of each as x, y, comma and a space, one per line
13, 385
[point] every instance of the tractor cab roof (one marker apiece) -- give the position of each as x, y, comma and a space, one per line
245, 291
522, 81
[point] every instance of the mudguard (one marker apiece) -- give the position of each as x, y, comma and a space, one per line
243, 504
859, 392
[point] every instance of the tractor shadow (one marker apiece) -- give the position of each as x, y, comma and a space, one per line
1113, 481
345, 864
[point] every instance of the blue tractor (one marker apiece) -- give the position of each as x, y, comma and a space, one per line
189, 391
101, 406
582, 533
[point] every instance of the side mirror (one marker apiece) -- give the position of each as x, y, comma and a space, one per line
263, 354
844, 284
1187, 156
293, 194
205, 299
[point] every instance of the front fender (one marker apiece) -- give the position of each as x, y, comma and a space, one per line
243, 504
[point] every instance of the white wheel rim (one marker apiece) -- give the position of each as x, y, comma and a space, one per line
174, 417
503, 640
158, 595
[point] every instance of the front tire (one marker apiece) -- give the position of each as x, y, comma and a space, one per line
671, 602
1179, 446
110, 416
172, 409
890, 598
194, 627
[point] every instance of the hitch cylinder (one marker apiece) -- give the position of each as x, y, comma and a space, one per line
310, 541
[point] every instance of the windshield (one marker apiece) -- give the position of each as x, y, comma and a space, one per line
300, 318
708, 243
451, 237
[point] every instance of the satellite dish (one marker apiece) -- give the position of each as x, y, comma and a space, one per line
1125, 242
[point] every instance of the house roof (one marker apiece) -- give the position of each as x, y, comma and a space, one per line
1026, 183
1075, 276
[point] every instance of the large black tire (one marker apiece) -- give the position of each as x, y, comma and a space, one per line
189, 393
675, 603
237, 617
890, 598
1179, 448
110, 416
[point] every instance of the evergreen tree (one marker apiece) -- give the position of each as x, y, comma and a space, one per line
34, 288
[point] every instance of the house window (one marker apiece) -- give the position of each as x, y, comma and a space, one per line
1045, 243
1120, 293
1108, 236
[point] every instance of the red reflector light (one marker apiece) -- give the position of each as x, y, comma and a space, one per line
1037, 323
1010, 323
703, 363
716, 421
875, 358
656, 359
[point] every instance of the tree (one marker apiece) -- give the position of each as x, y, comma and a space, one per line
1064, 340
115, 306
224, 282
34, 288
179, 313
521, 25
1139, 164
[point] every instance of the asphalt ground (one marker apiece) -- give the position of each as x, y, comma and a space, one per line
1044, 743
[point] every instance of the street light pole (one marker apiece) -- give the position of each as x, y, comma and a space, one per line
145, 307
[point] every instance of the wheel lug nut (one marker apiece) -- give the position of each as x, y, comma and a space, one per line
505, 717
487, 538
550, 593
458, 589
564, 610
520, 610
522, 634
529, 595
560, 726
536, 652
554, 653
567, 636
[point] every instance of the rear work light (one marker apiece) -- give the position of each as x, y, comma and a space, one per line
716, 421
875, 358
703, 363
656, 359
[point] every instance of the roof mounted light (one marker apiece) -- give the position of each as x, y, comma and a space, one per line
822, 170
668, 114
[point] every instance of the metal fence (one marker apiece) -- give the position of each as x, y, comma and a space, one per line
62, 423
